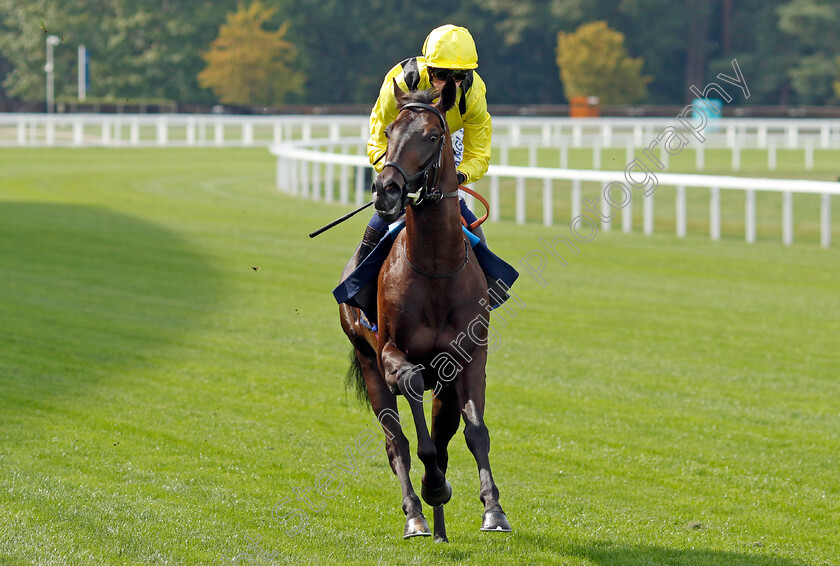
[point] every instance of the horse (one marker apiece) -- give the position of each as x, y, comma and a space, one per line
430, 292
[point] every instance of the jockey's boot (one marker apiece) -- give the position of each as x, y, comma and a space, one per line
497, 292
369, 240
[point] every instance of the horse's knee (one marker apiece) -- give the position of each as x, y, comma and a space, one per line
411, 384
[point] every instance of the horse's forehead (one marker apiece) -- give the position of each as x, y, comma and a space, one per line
410, 122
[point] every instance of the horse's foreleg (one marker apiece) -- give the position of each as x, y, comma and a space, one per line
436, 490
384, 404
446, 417
471, 398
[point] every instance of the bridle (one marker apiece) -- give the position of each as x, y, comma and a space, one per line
420, 186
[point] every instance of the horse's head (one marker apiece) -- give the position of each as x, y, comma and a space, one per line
416, 141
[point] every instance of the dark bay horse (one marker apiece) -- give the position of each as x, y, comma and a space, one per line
429, 294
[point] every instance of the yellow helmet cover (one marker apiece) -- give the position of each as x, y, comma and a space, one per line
450, 47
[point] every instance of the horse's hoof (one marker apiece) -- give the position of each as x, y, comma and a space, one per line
437, 496
495, 522
417, 527
439, 538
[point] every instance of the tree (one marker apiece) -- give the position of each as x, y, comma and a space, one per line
814, 24
5, 69
23, 30
764, 54
139, 49
655, 30
837, 82
346, 48
151, 48
594, 62
248, 64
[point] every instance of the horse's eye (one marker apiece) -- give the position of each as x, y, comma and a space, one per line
433, 138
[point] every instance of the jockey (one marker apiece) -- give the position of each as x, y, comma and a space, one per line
448, 51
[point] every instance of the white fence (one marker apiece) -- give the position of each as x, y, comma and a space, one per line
805, 136
209, 130
171, 130
310, 172
303, 170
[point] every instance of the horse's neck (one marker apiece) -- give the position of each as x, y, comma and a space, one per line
438, 223
433, 230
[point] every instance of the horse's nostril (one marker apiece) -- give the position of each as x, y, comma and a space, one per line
380, 187
383, 188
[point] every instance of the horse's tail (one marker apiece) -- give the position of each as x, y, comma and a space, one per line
355, 379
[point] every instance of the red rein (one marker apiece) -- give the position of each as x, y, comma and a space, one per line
478, 222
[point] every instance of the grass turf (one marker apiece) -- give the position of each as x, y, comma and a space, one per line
171, 368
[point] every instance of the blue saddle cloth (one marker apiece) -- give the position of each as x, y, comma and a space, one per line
367, 273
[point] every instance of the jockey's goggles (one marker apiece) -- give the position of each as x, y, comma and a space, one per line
442, 74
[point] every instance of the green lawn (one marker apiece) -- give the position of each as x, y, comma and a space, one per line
171, 367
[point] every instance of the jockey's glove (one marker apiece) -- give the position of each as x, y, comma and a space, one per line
462, 178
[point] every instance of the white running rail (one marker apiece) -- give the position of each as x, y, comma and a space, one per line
313, 169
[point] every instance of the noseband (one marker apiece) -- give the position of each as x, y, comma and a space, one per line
421, 185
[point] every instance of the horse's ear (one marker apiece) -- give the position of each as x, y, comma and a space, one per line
448, 95
398, 93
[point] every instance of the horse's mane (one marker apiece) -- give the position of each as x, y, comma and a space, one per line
422, 96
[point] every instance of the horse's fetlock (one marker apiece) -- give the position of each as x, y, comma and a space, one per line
427, 455
411, 505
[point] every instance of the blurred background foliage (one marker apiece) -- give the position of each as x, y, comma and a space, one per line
339, 51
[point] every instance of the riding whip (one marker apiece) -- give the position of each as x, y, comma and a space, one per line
339, 220
349, 214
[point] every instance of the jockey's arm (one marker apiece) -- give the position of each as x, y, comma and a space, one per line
384, 112
477, 134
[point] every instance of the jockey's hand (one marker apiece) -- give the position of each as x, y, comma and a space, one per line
462, 178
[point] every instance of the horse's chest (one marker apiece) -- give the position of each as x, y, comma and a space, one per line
423, 343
